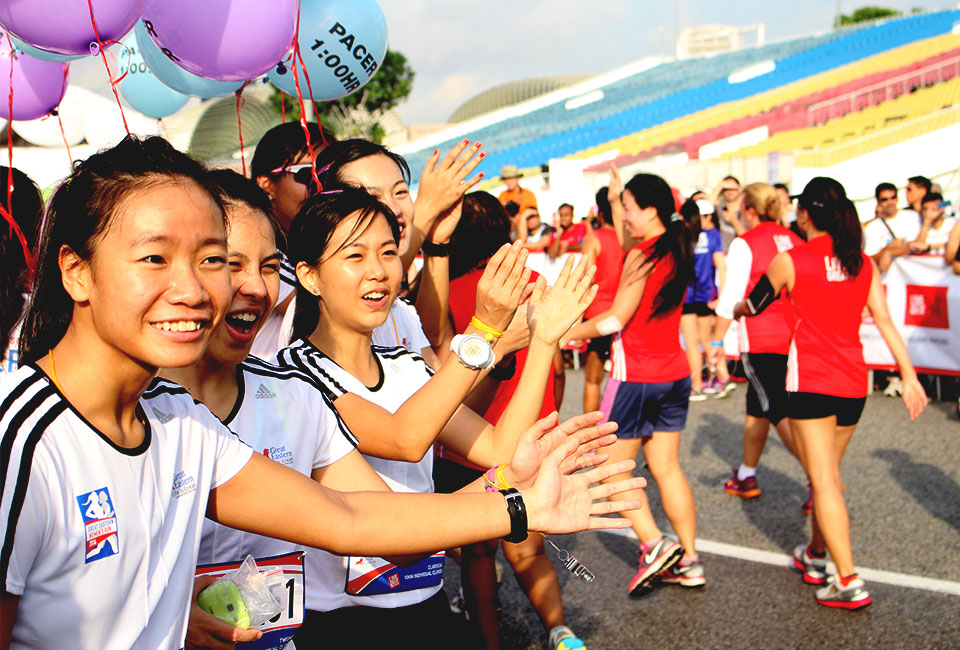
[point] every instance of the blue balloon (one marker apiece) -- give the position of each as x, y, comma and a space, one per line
342, 42
141, 88
43, 55
176, 77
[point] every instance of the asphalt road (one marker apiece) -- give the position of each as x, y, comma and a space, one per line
903, 493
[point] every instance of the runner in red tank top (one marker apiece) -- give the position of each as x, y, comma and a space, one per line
603, 247
649, 387
764, 339
483, 228
828, 282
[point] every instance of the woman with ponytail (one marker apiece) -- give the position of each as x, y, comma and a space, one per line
649, 388
828, 281
765, 340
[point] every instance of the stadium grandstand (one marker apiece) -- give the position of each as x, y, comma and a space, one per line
781, 111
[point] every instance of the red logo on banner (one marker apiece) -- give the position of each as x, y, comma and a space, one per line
927, 307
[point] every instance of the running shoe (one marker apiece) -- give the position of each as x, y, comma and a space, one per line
814, 569
689, 575
747, 488
722, 388
697, 395
807, 506
711, 385
853, 596
563, 638
653, 561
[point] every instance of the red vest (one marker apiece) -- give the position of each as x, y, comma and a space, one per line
826, 355
648, 349
609, 265
769, 332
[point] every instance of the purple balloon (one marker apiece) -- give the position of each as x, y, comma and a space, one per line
224, 40
38, 86
64, 26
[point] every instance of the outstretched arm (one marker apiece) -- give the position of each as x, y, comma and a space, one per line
914, 397
633, 279
377, 524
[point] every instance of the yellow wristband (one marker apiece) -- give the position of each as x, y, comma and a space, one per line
489, 332
501, 480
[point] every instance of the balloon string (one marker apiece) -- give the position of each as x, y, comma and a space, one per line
66, 143
303, 115
26, 252
15, 228
283, 109
103, 54
240, 102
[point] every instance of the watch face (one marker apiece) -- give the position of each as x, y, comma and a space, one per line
474, 351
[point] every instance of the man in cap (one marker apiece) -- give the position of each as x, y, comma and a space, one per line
515, 194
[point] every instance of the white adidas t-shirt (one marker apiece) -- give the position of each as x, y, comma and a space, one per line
402, 373
282, 415
101, 542
402, 328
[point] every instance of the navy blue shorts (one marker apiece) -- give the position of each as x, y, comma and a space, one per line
641, 409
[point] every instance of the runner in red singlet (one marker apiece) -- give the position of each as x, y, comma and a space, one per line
649, 388
483, 228
764, 340
603, 247
828, 281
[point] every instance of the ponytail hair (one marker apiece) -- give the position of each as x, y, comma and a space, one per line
765, 201
310, 235
649, 190
81, 211
832, 212
27, 206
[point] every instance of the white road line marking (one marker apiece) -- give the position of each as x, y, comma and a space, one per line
780, 559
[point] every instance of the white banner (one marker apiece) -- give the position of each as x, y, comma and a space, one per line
923, 295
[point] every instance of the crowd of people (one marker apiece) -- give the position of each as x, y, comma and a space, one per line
166, 322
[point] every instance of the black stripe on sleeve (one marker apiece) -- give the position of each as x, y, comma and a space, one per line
10, 432
20, 491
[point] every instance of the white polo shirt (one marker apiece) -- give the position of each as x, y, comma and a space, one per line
402, 373
100, 542
281, 414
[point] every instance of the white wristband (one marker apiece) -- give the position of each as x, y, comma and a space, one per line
609, 325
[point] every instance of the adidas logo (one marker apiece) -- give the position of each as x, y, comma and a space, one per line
163, 417
264, 393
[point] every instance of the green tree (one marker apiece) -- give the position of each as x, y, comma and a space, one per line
358, 114
864, 14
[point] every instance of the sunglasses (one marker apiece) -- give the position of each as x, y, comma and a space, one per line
301, 173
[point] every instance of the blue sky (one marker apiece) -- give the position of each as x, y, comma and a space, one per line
459, 49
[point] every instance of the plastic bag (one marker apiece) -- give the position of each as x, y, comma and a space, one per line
245, 597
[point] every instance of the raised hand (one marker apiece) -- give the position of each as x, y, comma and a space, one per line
615, 185
444, 182
559, 503
502, 286
551, 312
545, 436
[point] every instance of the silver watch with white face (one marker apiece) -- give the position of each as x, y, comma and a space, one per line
473, 351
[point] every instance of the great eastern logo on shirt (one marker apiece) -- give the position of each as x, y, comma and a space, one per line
100, 525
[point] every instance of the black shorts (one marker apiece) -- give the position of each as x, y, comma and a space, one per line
698, 308
766, 385
810, 406
449, 476
601, 345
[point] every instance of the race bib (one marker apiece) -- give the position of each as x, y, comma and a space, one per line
278, 631
370, 576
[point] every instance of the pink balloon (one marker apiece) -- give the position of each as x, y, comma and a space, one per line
38, 86
224, 40
64, 26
